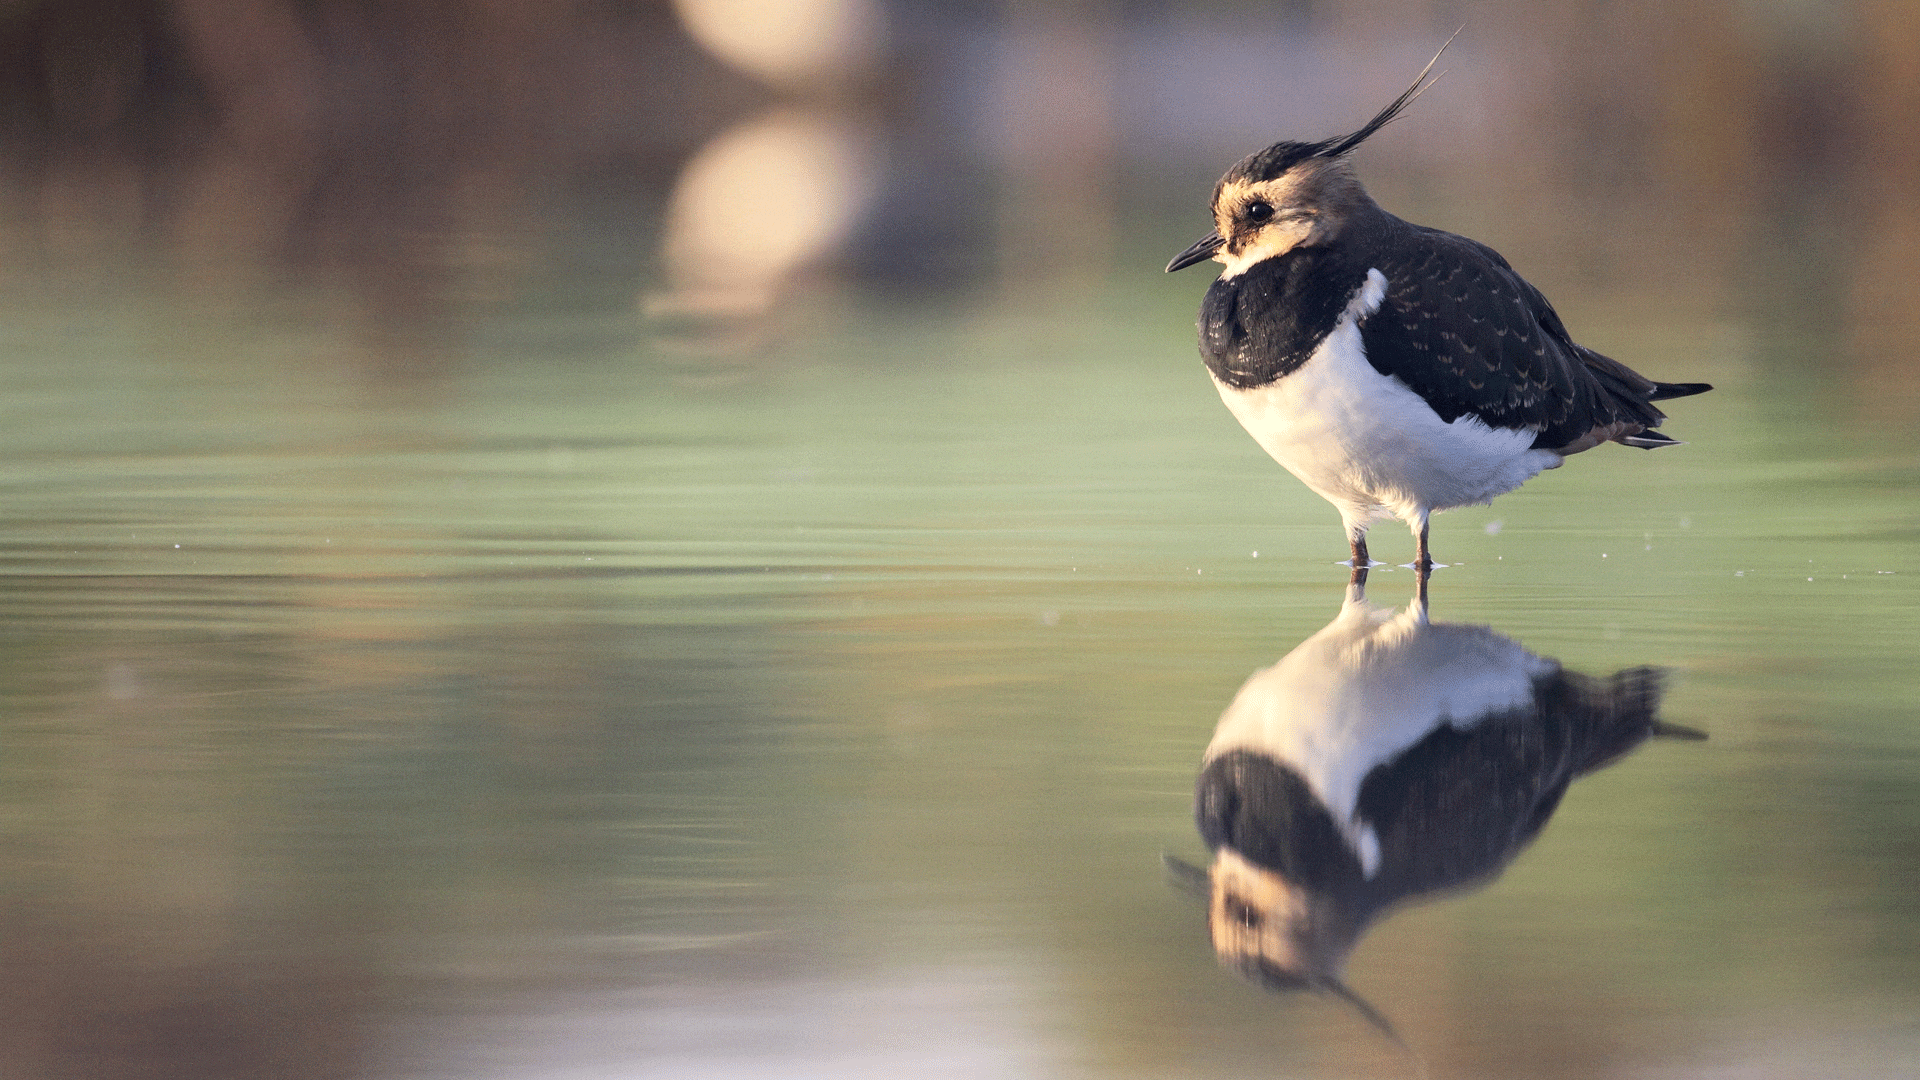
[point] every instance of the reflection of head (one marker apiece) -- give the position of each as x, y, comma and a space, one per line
1386, 759
1274, 931
1274, 934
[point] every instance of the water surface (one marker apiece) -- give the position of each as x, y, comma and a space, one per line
548, 700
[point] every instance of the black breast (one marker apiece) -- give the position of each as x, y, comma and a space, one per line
1264, 810
1265, 321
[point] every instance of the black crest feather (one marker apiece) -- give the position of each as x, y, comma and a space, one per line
1281, 156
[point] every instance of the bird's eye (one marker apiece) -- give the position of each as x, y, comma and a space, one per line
1259, 211
1243, 913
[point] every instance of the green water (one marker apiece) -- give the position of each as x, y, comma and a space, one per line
563, 704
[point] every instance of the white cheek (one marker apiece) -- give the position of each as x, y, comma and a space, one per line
1271, 241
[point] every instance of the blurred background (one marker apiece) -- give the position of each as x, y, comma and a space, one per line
645, 539
418, 163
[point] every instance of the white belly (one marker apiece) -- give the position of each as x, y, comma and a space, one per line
1371, 446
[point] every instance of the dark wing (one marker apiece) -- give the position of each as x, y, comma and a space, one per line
1459, 805
1471, 336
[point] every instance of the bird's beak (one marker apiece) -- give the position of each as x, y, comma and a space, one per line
1201, 250
1187, 877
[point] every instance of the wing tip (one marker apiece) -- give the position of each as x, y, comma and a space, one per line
1648, 440
1663, 391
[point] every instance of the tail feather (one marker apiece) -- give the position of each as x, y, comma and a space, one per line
1626, 391
1609, 717
1664, 390
1664, 730
1648, 440
1633, 394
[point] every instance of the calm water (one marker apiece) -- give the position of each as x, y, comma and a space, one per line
551, 703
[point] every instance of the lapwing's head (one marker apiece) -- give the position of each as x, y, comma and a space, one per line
1278, 934
1290, 195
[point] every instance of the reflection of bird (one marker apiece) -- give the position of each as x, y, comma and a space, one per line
1385, 758
1395, 369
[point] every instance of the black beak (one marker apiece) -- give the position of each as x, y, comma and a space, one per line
1201, 250
1187, 877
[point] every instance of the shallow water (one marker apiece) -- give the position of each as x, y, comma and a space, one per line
571, 705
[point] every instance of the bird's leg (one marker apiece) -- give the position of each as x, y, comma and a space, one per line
1422, 559
1422, 568
1357, 540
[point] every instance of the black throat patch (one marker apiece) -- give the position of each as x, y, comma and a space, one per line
1264, 810
1263, 323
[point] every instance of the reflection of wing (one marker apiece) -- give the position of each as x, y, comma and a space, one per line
1460, 804
1515, 366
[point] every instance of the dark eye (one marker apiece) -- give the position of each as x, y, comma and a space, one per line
1258, 212
1239, 910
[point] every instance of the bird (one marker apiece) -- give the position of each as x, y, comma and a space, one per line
1386, 759
1395, 369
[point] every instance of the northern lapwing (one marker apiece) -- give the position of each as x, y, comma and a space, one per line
1384, 759
1395, 369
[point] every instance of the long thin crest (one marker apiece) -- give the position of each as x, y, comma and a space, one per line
1275, 160
1186, 877
1346, 143
1373, 1016
1362, 1006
